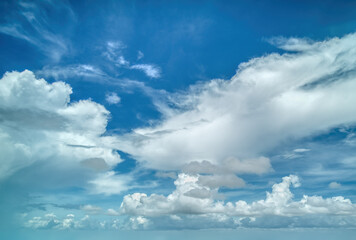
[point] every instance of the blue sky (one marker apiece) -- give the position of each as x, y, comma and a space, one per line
171, 119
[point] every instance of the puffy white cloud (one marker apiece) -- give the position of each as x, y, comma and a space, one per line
139, 222
192, 197
39, 124
112, 98
149, 69
271, 99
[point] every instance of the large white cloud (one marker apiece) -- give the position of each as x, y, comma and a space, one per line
279, 202
271, 99
39, 124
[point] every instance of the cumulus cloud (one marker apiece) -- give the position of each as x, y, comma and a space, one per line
150, 70
192, 197
112, 98
39, 124
271, 99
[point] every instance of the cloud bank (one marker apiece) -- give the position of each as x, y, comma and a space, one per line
279, 202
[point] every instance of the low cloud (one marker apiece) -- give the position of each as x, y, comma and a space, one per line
196, 198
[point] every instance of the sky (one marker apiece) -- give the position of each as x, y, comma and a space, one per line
177, 119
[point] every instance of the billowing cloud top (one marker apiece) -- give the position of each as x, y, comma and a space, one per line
39, 123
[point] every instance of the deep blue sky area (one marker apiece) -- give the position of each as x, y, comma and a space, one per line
177, 118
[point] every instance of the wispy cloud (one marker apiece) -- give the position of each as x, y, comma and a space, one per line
72, 71
150, 70
34, 26
140, 55
114, 53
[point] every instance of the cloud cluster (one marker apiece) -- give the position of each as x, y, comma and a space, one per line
39, 124
52, 221
270, 100
194, 197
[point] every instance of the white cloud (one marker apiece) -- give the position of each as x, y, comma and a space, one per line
271, 99
292, 44
296, 153
112, 98
91, 209
32, 25
52, 221
140, 55
334, 185
39, 124
301, 150
149, 69
114, 53
108, 183
279, 202
71, 71
139, 222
